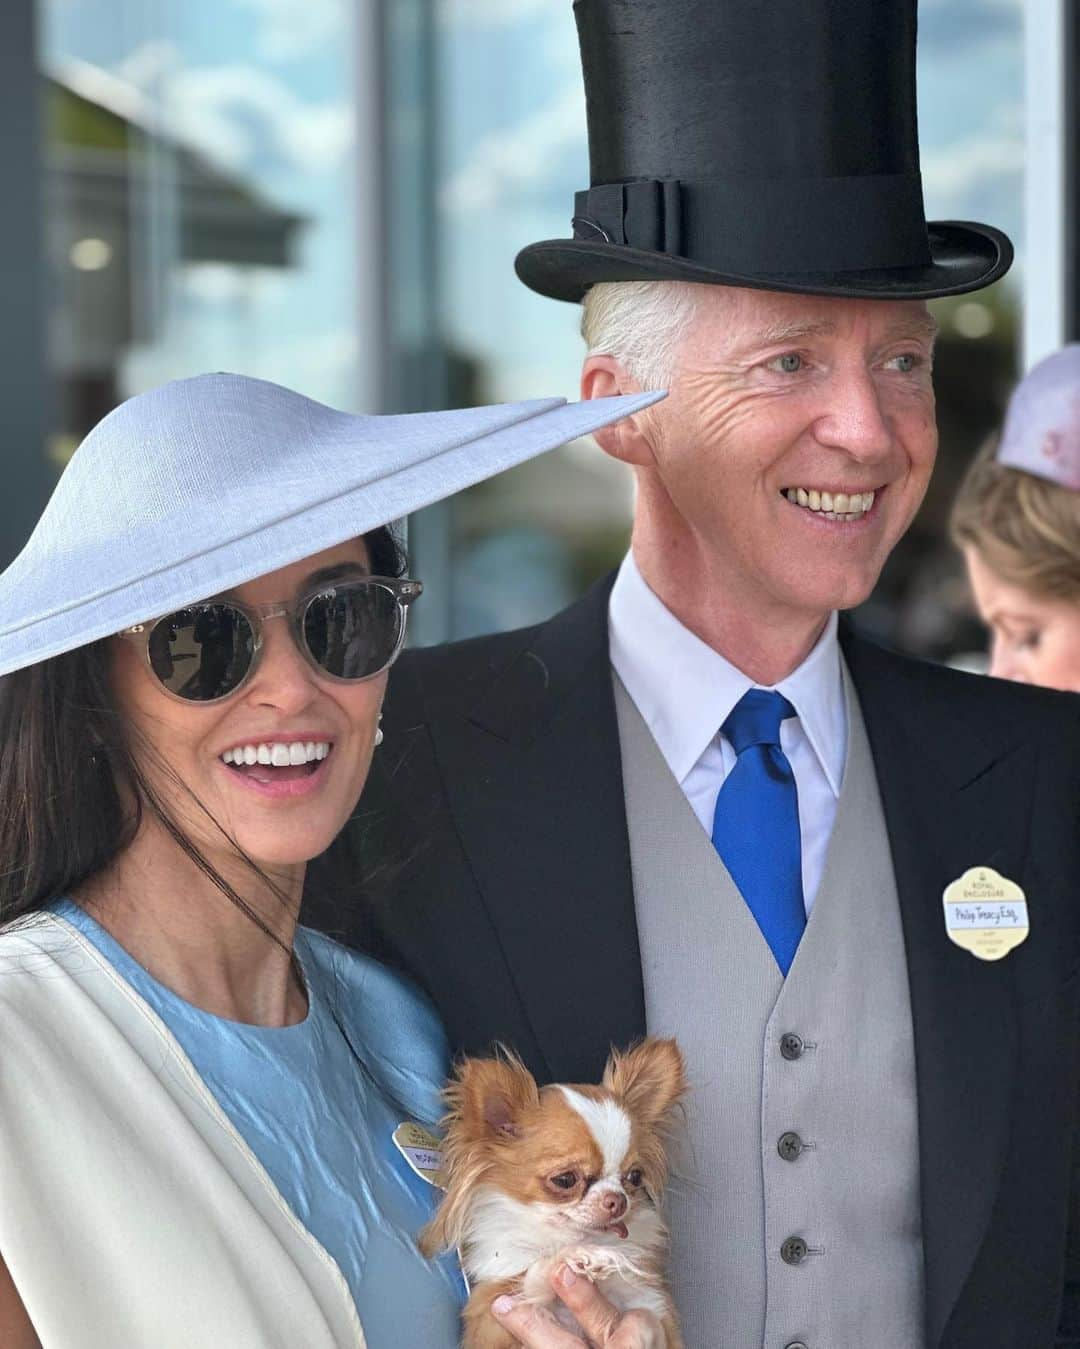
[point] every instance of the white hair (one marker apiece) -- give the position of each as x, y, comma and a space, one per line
641, 323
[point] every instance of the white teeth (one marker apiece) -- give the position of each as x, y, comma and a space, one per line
844, 506
277, 753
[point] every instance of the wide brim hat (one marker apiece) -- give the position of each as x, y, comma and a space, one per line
1041, 434
772, 146
207, 483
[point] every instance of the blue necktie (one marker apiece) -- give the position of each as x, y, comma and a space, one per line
756, 824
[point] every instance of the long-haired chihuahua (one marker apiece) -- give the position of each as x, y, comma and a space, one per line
536, 1176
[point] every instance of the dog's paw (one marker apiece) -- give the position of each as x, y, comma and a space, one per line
591, 1262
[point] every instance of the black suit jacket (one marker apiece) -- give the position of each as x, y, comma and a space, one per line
495, 813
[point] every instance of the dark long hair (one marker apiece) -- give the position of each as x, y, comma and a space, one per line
73, 789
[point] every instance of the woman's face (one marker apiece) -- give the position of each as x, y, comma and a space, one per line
1034, 640
279, 816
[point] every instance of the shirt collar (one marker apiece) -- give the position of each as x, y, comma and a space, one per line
685, 690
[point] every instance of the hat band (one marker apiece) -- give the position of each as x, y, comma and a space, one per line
760, 225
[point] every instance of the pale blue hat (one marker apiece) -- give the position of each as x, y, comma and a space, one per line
207, 483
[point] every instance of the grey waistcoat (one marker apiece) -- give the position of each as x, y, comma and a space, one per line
815, 1141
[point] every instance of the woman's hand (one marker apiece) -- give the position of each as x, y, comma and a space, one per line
536, 1328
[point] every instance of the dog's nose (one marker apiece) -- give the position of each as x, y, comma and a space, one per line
614, 1204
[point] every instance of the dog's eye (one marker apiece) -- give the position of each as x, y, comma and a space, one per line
635, 1177
566, 1180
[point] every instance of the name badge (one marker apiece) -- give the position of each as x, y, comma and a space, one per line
421, 1150
986, 913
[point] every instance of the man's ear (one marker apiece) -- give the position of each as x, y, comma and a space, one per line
606, 377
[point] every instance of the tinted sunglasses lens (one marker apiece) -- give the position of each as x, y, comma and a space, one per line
353, 633
202, 653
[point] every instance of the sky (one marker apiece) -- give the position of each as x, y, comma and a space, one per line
266, 90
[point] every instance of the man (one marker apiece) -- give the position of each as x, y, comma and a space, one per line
697, 802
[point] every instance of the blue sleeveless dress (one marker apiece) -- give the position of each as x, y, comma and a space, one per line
318, 1103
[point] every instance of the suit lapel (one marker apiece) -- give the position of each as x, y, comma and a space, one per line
544, 783
944, 792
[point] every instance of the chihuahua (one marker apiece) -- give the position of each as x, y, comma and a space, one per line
535, 1177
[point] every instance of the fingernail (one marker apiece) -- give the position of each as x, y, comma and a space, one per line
502, 1304
567, 1277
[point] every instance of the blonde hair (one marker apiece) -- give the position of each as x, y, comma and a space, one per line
640, 323
1025, 528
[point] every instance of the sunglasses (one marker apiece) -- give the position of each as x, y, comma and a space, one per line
348, 632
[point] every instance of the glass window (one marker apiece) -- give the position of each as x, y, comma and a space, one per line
200, 175
971, 132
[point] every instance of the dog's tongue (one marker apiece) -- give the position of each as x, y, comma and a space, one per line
619, 1229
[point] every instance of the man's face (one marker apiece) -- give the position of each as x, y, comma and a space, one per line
777, 396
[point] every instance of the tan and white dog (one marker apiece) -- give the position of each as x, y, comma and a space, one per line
540, 1176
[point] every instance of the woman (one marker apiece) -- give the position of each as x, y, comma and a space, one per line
199, 1101
1017, 521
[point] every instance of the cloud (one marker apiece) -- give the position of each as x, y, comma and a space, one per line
286, 30
235, 113
951, 27
978, 175
147, 63
324, 366
513, 162
491, 13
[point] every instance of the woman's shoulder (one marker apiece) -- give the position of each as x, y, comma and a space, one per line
33, 945
57, 999
390, 1022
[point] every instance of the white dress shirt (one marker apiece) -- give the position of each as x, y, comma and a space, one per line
685, 691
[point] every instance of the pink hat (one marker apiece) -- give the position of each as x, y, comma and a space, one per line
1042, 422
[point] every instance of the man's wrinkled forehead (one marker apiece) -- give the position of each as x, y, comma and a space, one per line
764, 318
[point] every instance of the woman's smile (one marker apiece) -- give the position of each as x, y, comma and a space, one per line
279, 768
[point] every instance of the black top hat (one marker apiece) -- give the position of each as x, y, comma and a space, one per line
765, 143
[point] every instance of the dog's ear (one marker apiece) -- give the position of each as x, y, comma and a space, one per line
489, 1097
650, 1079
486, 1100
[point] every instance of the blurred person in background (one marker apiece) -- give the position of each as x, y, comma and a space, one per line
1016, 519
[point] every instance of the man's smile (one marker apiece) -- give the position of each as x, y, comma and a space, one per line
845, 507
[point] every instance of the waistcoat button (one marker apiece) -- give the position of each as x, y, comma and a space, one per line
793, 1251
789, 1146
791, 1046
795, 1344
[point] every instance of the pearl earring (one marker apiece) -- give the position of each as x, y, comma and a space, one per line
379, 732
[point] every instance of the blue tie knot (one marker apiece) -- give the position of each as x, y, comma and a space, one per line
755, 719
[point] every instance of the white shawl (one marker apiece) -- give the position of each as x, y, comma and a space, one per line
132, 1214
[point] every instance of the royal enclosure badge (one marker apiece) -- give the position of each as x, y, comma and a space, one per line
986, 913
422, 1150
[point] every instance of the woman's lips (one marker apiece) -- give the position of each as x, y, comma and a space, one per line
287, 782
